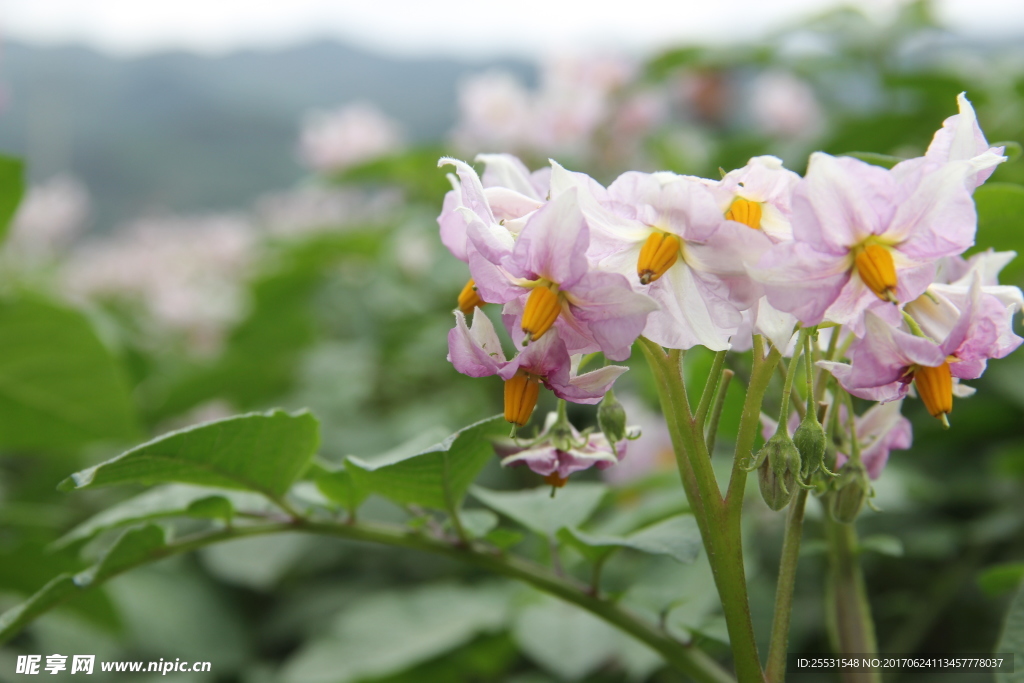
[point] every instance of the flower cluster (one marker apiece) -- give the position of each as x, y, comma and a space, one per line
872, 253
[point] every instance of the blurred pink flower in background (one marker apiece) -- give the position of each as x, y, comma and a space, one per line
311, 209
348, 135
785, 106
582, 105
51, 216
187, 272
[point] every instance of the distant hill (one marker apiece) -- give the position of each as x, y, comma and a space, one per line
186, 132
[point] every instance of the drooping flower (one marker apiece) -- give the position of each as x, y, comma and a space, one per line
887, 359
476, 351
863, 234
490, 213
881, 429
667, 235
561, 450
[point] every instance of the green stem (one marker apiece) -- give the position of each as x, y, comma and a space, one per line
710, 388
850, 609
721, 537
776, 670
711, 433
686, 658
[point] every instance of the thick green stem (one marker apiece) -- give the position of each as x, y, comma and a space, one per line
776, 670
850, 610
722, 539
686, 658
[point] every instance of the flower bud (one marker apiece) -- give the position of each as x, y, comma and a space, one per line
809, 439
611, 418
780, 467
851, 491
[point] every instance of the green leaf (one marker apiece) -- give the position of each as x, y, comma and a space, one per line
678, 537
883, 160
1011, 641
173, 500
59, 386
56, 591
437, 477
536, 510
479, 523
1001, 224
337, 485
263, 452
563, 638
134, 547
12, 187
883, 544
387, 632
1001, 578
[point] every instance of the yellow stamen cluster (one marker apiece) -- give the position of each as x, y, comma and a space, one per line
659, 253
541, 311
469, 298
521, 393
745, 211
935, 387
554, 479
876, 268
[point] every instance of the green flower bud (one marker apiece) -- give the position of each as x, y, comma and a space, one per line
611, 418
850, 490
809, 438
780, 467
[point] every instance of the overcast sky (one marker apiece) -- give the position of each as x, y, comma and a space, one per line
462, 28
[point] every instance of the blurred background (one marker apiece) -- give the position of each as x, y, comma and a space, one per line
237, 202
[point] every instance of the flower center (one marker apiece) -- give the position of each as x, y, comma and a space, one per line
876, 268
469, 298
745, 211
542, 309
521, 392
935, 387
659, 253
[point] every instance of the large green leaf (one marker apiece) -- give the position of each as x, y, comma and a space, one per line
387, 632
12, 187
1001, 224
263, 452
59, 386
678, 537
1011, 641
539, 512
437, 477
173, 500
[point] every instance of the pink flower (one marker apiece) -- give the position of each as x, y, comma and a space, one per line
758, 195
561, 450
667, 235
547, 281
959, 139
477, 352
863, 234
887, 359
